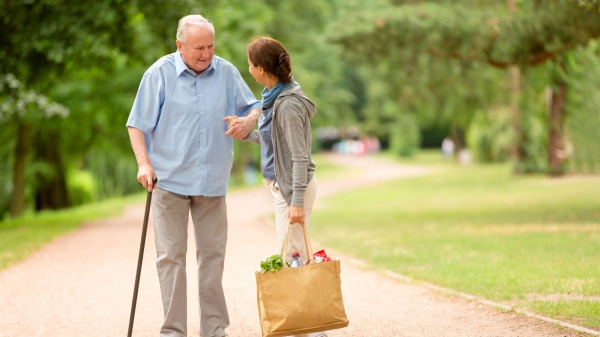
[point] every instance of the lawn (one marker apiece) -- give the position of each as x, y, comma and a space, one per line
529, 241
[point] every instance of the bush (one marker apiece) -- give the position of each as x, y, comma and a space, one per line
490, 135
81, 187
405, 136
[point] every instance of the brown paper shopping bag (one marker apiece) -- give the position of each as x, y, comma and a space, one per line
300, 300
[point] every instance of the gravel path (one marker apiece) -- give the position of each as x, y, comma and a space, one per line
81, 283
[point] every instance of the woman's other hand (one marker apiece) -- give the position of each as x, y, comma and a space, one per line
296, 214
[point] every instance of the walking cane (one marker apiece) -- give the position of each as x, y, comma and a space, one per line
140, 258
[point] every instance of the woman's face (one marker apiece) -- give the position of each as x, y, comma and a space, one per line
257, 72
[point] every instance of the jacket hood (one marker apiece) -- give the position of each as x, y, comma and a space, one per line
296, 90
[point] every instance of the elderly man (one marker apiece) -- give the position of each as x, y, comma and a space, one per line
178, 135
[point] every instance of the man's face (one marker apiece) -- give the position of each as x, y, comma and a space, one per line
198, 51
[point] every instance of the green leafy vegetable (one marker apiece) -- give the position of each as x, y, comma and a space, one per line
273, 263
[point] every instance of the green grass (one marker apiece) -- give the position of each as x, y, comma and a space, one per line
479, 230
21, 236
584, 312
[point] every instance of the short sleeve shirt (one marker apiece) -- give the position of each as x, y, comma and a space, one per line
181, 114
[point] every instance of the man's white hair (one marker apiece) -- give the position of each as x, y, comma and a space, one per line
192, 20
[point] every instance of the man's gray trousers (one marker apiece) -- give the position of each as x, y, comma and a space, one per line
209, 217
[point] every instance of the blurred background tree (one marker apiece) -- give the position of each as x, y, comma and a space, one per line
502, 35
44, 42
409, 72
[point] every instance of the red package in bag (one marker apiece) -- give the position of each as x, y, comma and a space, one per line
320, 256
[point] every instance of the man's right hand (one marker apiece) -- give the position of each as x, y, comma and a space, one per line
146, 176
239, 127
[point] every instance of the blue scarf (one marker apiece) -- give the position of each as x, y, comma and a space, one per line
269, 96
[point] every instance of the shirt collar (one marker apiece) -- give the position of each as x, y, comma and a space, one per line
180, 66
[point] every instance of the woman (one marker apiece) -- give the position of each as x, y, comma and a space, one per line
285, 137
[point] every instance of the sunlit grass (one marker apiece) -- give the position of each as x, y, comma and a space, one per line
585, 312
476, 229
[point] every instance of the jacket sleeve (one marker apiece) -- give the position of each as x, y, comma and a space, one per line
253, 137
292, 122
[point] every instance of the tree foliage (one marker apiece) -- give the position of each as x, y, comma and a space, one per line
535, 34
44, 40
471, 32
394, 67
90, 58
589, 4
17, 102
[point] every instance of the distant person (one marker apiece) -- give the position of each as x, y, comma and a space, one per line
284, 135
465, 156
177, 133
250, 172
374, 145
447, 147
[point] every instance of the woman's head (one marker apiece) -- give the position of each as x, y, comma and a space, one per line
270, 55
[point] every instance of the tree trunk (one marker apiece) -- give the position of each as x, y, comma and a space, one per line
556, 120
51, 190
515, 91
17, 203
459, 138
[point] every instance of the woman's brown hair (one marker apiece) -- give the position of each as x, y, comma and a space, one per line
270, 54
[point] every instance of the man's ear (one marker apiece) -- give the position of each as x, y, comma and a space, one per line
179, 45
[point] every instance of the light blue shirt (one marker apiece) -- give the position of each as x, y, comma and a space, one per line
181, 116
267, 153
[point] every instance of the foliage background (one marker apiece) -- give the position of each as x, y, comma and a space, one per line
408, 72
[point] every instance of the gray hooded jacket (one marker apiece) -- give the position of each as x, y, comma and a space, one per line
292, 142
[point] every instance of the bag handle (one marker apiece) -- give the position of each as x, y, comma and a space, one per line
284, 246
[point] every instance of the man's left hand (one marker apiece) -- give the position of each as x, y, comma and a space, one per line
239, 127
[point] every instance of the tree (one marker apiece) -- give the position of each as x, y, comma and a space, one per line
588, 3
24, 107
474, 31
42, 42
413, 87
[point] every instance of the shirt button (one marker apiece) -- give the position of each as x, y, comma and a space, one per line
203, 149
199, 95
202, 130
202, 166
202, 113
